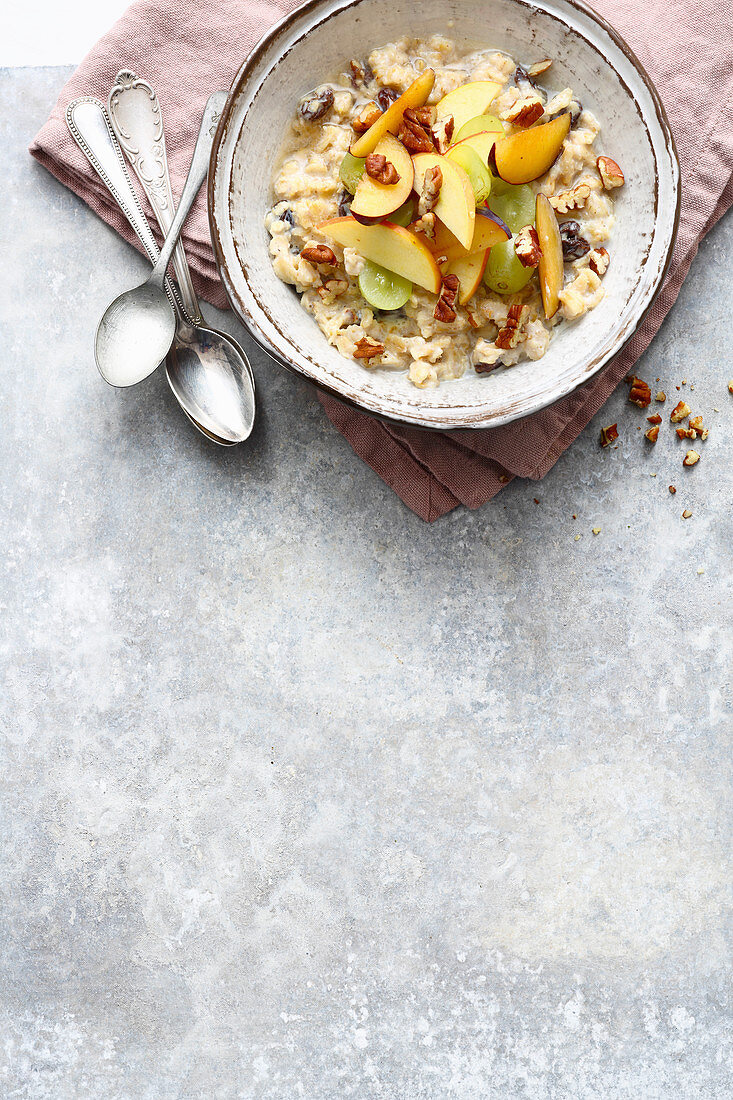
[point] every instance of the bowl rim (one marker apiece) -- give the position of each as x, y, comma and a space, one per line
251, 325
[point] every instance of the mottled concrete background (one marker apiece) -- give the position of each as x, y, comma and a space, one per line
304, 798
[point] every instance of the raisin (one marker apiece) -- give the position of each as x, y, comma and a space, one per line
314, 105
573, 245
385, 96
361, 73
288, 216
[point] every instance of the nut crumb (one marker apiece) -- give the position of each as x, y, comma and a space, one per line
686, 514
596, 530
700, 570
691, 458
661, 397
672, 490
577, 537
730, 386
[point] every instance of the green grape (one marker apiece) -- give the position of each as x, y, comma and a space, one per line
498, 187
351, 171
383, 289
478, 125
403, 215
504, 273
480, 177
514, 205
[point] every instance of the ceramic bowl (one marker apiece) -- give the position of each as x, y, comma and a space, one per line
316, 41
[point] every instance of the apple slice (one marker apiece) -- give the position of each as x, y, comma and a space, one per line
470, 271
528, 154
551, 269
388, 245
389, 122
377, 200
466, 102
479, 125
488, 230
456, 205
481, 143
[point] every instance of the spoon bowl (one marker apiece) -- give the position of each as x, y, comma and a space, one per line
207, 372
134, 335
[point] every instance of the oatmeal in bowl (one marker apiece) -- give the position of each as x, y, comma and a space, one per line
441, 211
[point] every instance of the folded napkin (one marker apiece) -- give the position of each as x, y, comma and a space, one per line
189, 50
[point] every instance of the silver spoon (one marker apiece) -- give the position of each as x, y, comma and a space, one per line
137, 121
89, 124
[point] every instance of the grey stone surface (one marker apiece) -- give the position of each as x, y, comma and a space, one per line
302, 797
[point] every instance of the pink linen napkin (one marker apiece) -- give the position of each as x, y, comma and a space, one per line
189, 50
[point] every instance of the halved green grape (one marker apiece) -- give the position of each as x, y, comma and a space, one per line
383, 289
504, 273
498, 187
480, 177
478, 125
515, 205
351, 171
403, 215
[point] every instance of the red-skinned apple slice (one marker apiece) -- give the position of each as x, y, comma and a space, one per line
551, 270
470, 271
388, 245
389, 122
527, 155
373, 200
468, 101
456, 205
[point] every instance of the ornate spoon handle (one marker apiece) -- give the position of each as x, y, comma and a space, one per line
90, 127
137, 121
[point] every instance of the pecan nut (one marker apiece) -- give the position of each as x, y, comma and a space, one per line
697, 426
539, 67
319, 254
680, 412
598, 261
609, 435
442, 132
655, 419
380, 169
425, 224
414, 136
366, 118
367, 348
526, 110
527, 246
332, 289
610, 173
691, 458
652, 434
640, 394
430, 190
445, 306
573, 199
513, 331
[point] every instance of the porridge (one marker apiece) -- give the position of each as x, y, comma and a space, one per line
438, 213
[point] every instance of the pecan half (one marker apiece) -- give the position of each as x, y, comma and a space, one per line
598, 261
609, 435
366, 118
414, 136
527, 246
525, 111
610, 173
425, 116
680, 412
380, 169
430, 191
512, 332
640, 394
314, 105
573, 199
367, 348
319, 254
444, 307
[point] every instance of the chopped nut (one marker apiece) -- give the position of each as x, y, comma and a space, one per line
690, 458
577, 538
425, 116
319, 254
672, 490
640, 394
679, 412
539, 67
697, 425
472, 320
686, 514
686, 433
609, 434
610, 173
333, 289
314, 105
367, 348
513, 330
596, 530
414, 136
431, 185
527, 246
442, 132
730, 386
661, 397
599, 260
652, 434
573, 199
503, 478
380, 169
444, 307
526, 110
425, 224
366, 118
656, 419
